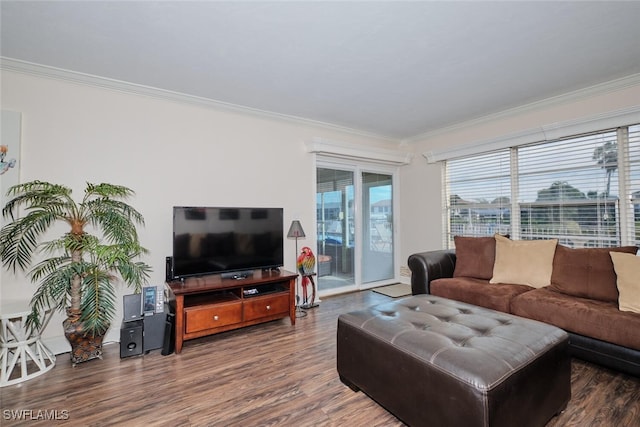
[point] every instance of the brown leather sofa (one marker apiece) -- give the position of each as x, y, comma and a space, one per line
579, 300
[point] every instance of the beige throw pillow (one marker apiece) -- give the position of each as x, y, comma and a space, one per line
524, 262
627, 267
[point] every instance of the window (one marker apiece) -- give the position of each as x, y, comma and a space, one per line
568, 190
478, 197
582, 190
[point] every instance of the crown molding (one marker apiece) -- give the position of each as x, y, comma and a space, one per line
45, 71
548, 132
343, 150
599, 89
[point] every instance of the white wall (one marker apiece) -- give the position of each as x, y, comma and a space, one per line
421, 182
173, 153
169, 153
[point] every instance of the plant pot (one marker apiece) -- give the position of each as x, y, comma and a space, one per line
84, 346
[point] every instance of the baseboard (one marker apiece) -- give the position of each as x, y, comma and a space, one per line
57, 345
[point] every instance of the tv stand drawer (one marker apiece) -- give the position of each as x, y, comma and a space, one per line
266, 306
200, 318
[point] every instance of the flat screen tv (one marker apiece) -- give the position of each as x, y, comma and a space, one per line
212, 240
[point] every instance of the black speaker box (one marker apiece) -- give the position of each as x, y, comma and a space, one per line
131, 338
169, 269
132, 307
154, 331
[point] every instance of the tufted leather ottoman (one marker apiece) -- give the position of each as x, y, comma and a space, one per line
437, 362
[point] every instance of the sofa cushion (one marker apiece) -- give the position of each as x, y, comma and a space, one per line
477, 292
523, 262
474, 256
586, 272
596, 319
627, 269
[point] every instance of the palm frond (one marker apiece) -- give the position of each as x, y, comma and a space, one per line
53, 290
49, 266
83, 243
37, 194
68, 243
116, 219
98, 301
135, 274
120, 259
45, 203
107, 190
19, 239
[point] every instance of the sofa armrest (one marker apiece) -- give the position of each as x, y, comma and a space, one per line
428, 266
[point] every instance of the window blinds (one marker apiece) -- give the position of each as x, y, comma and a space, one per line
568, 190
633, 180
478, 195
575, 189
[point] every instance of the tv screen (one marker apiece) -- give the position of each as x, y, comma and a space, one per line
211, 240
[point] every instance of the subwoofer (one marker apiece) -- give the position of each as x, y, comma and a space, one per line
131, 338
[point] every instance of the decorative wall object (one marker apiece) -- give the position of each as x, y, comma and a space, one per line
9, 152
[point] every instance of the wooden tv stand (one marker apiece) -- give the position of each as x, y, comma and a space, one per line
207, 305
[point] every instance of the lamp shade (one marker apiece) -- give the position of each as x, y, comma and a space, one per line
295, 230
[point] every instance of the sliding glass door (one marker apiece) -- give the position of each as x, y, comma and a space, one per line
354, 209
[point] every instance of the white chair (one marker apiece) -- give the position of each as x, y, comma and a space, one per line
22, 354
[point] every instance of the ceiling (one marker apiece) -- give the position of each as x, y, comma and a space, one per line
393, 69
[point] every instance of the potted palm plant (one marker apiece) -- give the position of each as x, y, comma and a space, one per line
84, 264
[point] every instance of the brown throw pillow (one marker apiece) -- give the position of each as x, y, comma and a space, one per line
586, 272
523, 262
627, 269
474, 257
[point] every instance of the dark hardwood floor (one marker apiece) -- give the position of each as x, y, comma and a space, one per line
265, 375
